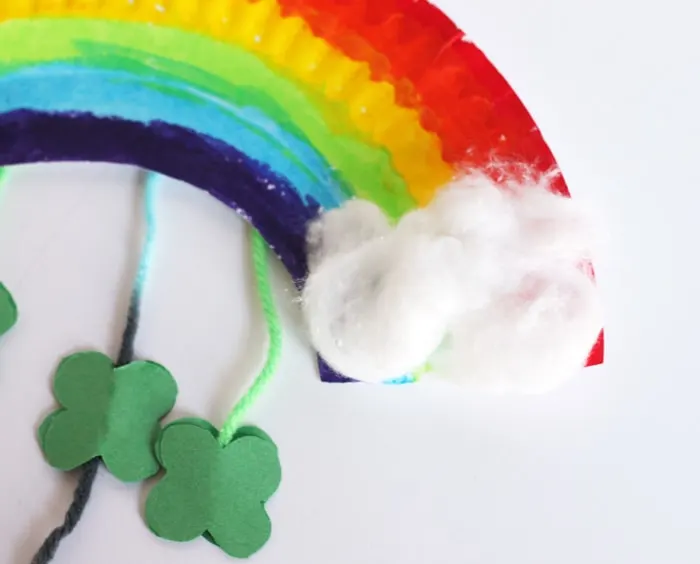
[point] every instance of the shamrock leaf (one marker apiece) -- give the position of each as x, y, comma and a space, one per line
8, 310
109, 412
219, 492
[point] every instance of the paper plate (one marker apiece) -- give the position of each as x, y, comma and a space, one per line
278, 108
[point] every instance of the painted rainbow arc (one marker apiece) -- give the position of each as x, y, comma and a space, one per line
278, 108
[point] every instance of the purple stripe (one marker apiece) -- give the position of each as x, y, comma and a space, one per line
331, 376
227, 174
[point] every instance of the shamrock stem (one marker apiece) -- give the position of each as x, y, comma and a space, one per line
274, 329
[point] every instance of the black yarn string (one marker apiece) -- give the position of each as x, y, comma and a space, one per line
83, 490
73, 515
126, 351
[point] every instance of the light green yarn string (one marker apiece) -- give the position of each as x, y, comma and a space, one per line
274, 330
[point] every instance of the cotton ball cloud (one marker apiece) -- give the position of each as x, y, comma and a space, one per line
474, 207
554, 230
531, 342
474, 283
342, 230
379, 310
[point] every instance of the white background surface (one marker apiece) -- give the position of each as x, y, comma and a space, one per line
607, 470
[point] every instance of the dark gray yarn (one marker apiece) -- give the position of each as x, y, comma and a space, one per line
89, 471
75, 512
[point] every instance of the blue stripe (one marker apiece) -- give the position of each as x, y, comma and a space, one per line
65, 87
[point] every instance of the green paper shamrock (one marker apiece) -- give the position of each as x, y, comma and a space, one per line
8, 310
214, 491
109, 412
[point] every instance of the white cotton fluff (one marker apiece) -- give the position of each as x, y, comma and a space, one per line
485, 283
343, 229
381, 309
525, 345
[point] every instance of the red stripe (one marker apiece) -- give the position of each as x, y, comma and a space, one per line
460, 95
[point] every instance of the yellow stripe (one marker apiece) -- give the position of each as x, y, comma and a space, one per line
290, 47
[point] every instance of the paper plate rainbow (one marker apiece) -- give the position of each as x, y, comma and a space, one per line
278, 108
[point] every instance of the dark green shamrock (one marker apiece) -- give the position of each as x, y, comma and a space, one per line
109, 412
8, 310
219, 492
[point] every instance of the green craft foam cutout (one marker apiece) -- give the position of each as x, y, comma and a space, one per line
8, 310
214, 491
113, 413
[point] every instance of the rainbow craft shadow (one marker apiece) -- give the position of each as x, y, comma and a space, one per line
278, 108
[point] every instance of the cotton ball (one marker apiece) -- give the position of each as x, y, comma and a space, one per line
379, 311
521, 220
343, 229
529, 342
475, 206
554, 228
482, 217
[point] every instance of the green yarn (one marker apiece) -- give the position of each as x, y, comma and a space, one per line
216, 484
274, 330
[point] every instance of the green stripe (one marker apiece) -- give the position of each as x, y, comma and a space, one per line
221, 70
